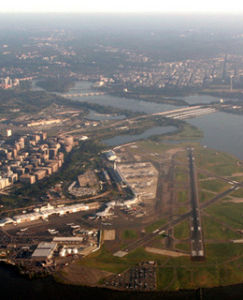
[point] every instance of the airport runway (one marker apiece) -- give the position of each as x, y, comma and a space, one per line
197, 245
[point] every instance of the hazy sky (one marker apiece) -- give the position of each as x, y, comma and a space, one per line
122, 6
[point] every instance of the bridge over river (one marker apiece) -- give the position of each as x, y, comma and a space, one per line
83, 94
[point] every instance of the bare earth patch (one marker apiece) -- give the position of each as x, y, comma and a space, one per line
82, 275
237, 174
109, 235
235, 200
165, 252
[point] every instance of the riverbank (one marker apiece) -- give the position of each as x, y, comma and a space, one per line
15, 286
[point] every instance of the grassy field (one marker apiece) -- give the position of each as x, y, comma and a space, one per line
181, 177
201, 176
205, 196
183, 196
164, 278
223, 264
151, 146
183, 246
181, 231
155, 225
180, 210
217, 162
238, 193
216, 231
129, 234
188, 132
214, 185
224, 260
229, 213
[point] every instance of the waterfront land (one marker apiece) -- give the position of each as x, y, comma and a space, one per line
104, 181
222, 255
156, 229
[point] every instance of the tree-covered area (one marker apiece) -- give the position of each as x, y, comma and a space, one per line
16, 102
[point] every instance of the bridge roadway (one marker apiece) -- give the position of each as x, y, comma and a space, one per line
187, 112
181, 113
83, 94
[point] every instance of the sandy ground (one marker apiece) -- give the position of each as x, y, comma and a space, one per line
237, 174
165, 252
235, 200
81, 275
109, 235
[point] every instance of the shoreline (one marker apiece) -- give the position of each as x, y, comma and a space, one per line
48, 285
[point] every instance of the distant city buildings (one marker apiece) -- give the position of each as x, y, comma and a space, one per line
8, 83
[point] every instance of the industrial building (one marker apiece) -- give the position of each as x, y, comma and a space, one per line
110, 155
68, 240
48, 211
44, 251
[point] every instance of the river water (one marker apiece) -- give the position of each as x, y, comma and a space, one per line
127, 138
222, 131
117, 102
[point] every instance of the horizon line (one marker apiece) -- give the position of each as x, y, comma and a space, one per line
126, 12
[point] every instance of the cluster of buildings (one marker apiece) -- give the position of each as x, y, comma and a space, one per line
8, 83
191, 73
46, 211
31, 157
180, 74
86, 243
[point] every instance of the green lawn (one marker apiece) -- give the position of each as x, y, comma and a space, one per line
181, 231
230, 213
164, 278
205, 196
155, 225
214, 230
183, 196
183, 246
238, 193
214, 185
129, 234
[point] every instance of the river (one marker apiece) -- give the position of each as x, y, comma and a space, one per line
117, 102
222, 131
127, 138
